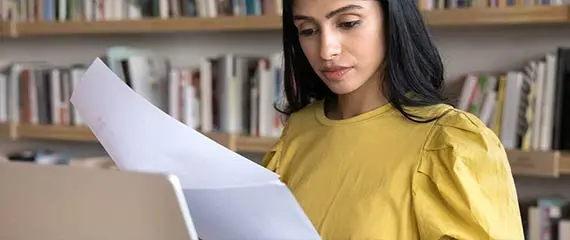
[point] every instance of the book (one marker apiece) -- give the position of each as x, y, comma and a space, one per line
229, 196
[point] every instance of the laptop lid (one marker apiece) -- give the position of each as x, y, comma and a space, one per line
60, 202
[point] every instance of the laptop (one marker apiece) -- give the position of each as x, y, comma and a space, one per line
60, 202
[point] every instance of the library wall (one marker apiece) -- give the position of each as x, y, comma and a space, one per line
464, 50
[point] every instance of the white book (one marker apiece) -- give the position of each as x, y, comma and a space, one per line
466, 92
534, 220
88, 8
206, 95
108, 10
266, 97
99, 8
164, 9
133, 10
511, 109
62, 10
55, 92
538, 105
489, 103
548, 105
228, 195
33, 97
189, 103
174, 93
14, 93
76, 74
149, 78
3, 98
564, 229
118, 9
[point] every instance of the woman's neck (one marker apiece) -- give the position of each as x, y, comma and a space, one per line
367, 98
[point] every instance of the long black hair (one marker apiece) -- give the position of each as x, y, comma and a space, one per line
413, 70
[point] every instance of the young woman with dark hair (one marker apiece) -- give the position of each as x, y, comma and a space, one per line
370, 148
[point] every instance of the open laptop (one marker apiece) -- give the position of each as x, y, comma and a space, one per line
52, 202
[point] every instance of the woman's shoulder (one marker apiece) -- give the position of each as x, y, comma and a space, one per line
456, 128
460, 140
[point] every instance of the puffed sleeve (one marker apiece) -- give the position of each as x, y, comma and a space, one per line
271, 159
464, 188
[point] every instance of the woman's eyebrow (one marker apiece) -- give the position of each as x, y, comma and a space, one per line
332, 13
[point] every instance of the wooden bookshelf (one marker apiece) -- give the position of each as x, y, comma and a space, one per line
254, 144
5, 28
84, 134
499, 16
7, 130
53, 132
154, 25
435, 18
537, 164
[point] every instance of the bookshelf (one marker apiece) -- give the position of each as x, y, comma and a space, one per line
435, 18
22, 131
499, 16
151, 25
7, 130
4, 29
539, 164
536, 164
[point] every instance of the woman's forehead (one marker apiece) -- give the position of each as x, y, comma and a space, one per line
325, 8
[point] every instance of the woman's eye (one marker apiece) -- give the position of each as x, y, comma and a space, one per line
347, 25
307, 32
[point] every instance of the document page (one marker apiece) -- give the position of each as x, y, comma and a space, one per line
229, 196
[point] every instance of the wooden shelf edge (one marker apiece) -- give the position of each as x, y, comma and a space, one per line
54, 132
498, 16
255, 144
550, 164
565, 163
7, 130
150, 25
84, 134
4, 29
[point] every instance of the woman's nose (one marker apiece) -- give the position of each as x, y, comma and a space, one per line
330, 45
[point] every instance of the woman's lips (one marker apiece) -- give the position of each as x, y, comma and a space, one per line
336, 73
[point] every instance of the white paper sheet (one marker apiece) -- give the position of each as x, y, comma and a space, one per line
228, 195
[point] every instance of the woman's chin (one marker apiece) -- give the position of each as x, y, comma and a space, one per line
342, 88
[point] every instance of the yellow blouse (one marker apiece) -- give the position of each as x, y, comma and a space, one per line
380, 176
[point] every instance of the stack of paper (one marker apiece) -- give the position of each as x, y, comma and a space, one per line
229, 196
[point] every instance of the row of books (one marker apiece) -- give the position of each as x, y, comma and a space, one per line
230, 93
546, 218
109, 10
528, 108
452, 4
227, 93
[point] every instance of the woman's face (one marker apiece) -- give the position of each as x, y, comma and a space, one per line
342, 39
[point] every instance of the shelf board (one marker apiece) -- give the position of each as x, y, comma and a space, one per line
150, 25
254, 144
539, 164
434, 18
84, 134
7, 130
4, 29
498, 16
54, 132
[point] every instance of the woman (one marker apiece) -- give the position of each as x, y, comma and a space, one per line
370, 149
